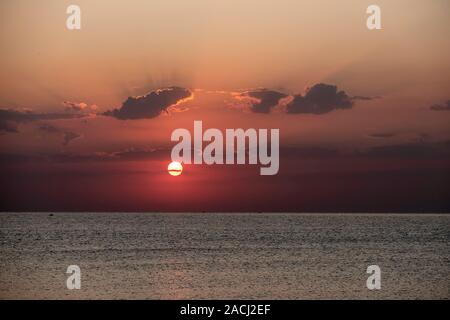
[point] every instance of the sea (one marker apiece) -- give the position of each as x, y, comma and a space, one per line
224, 255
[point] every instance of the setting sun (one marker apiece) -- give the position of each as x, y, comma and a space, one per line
175, 168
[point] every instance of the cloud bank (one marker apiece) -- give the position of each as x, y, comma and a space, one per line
150, 105
10, 119
264, 100
68, 136
441, 107
319, 99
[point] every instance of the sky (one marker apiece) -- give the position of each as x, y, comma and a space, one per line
86, 115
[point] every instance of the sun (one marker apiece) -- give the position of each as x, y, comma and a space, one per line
175, 168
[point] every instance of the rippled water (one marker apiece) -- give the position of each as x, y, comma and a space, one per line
223, 256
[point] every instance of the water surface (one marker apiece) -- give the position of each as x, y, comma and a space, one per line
223, 256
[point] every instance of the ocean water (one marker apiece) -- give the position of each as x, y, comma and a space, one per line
224, 256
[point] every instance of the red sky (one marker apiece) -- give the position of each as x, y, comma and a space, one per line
363, 116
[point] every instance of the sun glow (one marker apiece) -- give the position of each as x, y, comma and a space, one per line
175, 168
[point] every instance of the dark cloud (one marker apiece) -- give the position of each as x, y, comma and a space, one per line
151, 105
10, 119
8, 126
68, 136
141, 153
24, 116
418, 150
8, 158
50, 129
265, 99
441, 107
364, 98
320, 99
129, 154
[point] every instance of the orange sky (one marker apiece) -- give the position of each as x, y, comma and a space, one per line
126, 48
